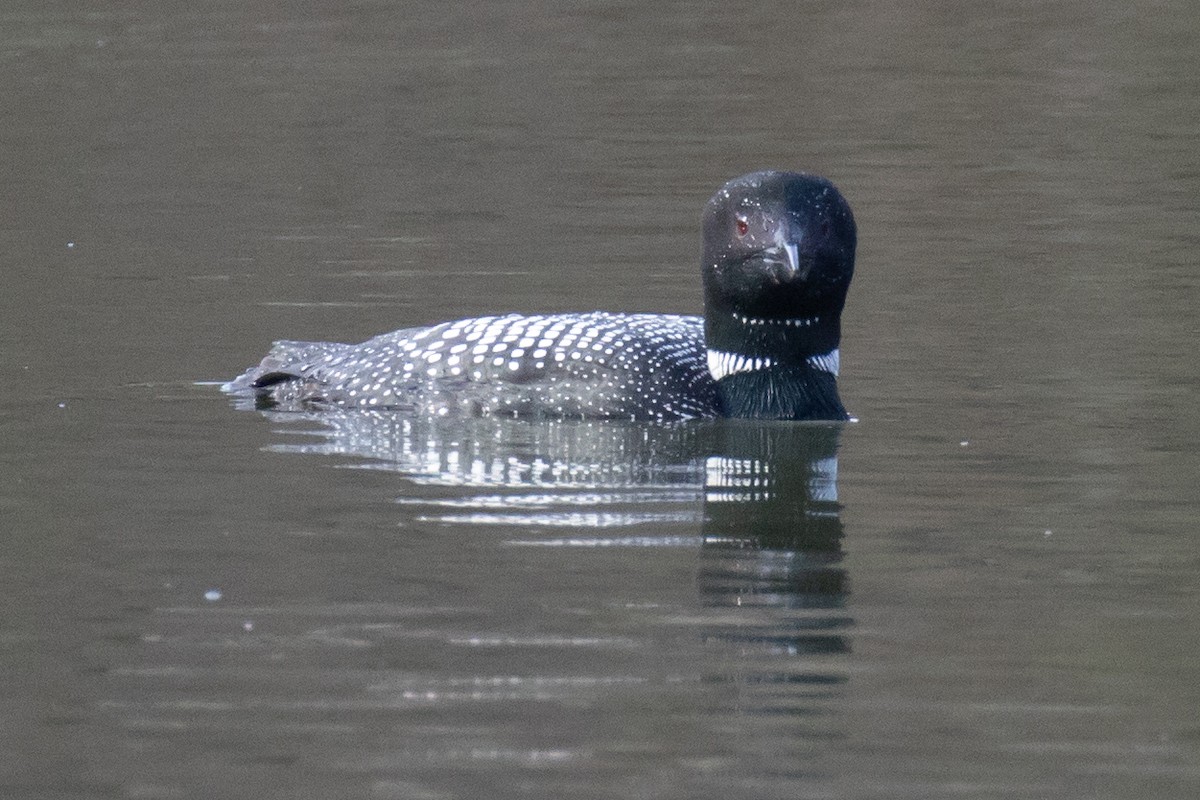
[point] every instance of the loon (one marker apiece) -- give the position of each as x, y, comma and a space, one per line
778, 257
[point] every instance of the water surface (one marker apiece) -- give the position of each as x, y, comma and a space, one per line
986, 587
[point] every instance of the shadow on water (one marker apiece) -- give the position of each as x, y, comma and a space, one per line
758, 502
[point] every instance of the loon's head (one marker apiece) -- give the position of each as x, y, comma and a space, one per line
778, 245
777, 262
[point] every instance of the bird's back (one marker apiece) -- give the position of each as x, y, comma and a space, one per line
594, 365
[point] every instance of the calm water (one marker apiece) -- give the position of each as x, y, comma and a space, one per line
984, 588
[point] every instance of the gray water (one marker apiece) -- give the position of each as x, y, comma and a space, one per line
986, 587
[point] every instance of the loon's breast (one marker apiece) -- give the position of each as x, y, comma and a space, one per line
625, 366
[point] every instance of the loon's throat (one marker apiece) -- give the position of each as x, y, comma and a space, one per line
759, 342
786, 322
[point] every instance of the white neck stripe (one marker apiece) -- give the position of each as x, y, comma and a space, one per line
722, 363
829, 362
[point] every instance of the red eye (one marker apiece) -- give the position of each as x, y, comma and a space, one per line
742, 226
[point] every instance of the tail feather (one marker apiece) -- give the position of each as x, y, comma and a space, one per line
286, 361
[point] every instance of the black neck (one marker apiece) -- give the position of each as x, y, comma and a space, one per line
781, 393
784, 341
765, 368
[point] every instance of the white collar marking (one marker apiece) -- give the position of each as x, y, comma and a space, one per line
722, 364
829, 362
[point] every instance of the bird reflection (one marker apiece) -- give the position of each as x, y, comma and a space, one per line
772, 530
771, 566
758, 500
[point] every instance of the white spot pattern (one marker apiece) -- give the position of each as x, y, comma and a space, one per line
631, 366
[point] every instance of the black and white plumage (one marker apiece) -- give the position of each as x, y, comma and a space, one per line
777, 262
